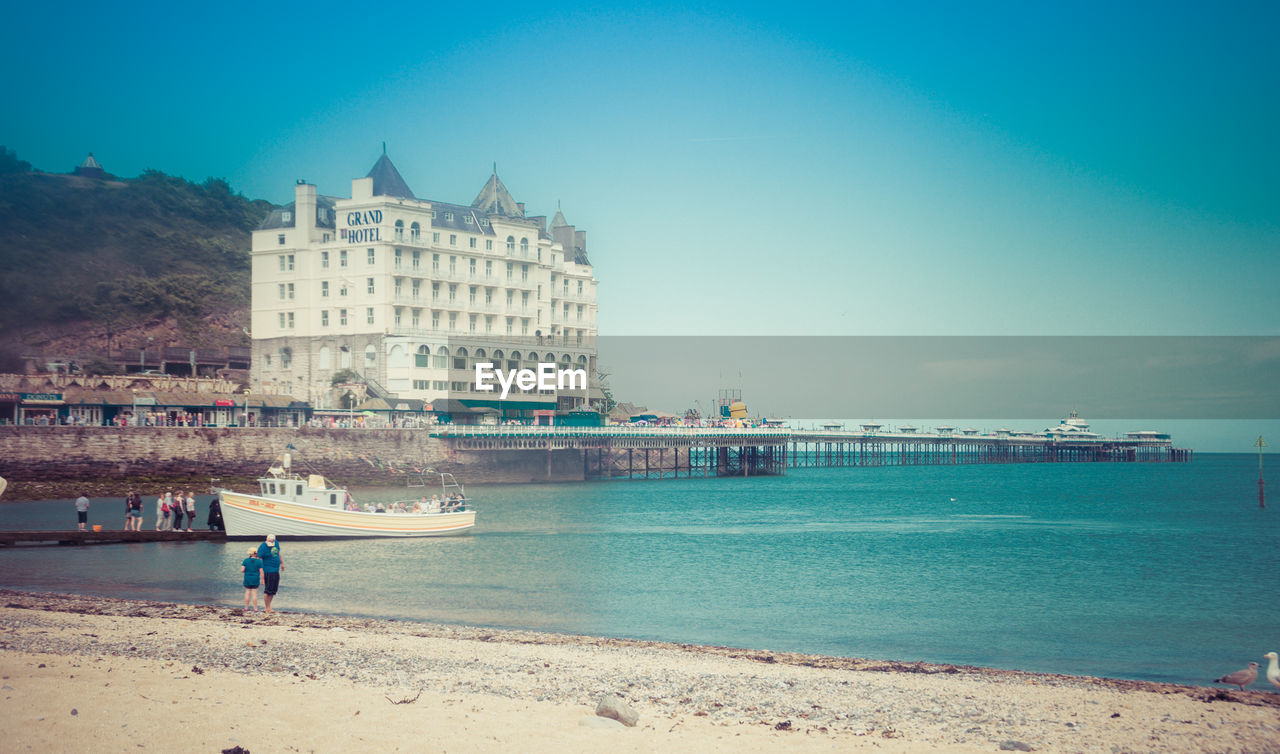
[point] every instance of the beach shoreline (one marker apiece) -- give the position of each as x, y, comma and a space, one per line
508, 685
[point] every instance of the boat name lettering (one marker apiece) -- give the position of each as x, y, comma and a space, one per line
261, 503
546, 377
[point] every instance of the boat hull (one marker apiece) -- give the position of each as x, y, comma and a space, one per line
255, 516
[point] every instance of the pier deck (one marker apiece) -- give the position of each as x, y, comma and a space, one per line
76, 537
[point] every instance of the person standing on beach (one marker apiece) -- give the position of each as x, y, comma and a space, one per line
252, 570
191, 510
272, 565
133, 512
162, 513
82, 509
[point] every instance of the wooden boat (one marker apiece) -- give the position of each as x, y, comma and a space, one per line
297, 507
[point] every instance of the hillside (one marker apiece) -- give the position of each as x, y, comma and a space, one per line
153, 255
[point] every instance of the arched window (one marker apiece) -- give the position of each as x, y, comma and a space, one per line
532, 359
511, 244
442, 358
513, 361
370, 355
460, 359
524, 247
325, 359
415, 231
344, 357
399, 230
423, 357
398, 356
480, 354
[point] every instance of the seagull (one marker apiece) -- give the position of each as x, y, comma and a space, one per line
1241, 678
1273, 669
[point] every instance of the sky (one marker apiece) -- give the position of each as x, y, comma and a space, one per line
882, 168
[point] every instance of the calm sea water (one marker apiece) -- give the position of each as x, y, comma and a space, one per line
1166, 572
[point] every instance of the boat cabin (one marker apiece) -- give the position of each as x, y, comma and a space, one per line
313, 490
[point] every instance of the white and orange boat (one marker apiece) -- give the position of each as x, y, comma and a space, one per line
297, 507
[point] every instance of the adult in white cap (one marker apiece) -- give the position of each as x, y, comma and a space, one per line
272, 565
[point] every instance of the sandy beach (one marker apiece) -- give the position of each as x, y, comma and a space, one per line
96, 674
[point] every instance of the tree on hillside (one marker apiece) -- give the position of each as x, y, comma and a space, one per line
9, 162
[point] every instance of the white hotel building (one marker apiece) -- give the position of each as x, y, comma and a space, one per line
410, 294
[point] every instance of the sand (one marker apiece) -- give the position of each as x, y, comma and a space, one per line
95, 674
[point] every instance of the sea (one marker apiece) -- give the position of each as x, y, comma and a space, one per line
1152, 571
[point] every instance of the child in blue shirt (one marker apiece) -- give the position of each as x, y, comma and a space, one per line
252, 570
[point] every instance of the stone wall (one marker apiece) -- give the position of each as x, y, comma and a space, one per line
371, 456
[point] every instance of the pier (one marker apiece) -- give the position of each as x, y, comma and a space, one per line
663, 452
76, 537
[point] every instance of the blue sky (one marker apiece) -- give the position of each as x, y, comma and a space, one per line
886, 168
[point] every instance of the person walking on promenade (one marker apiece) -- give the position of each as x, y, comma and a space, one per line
272, 565
82, 509
252, 570
191, 510
178, 505
162, 513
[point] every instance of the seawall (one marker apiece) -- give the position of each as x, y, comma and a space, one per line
34, 458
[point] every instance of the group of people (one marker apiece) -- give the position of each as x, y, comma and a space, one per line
262, 568
170, 509
450, 504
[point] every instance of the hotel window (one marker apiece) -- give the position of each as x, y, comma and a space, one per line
417, 318
511, 245
510, 325
370, 355
415, 231
325, 237
399, 230
282, 262
417, 288
342, 317
524, 325
324, 289
342, 258
467, 219
435, 291
524, 272
399, 258
282, 291
372, 256
471, 268
472, 322
435, 263
286, 358
453, 265
369, 315
579, 312
290, 263
435, 237
399, 287
453, 292
417, 259
510, 294
398, 321
524, 299
440, 384
566, 311
539, 291
488, 323
343, 290
488, 296
488, 244
324, 317
488, 268
579, 288
324, 260
472, 299
290, 291
287, 216
473, 242
280, 238
370, 290
281, 320
510, 267
435, 320
421, 384
448, 216
524, 248
484, 222
453, 320
290, 320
